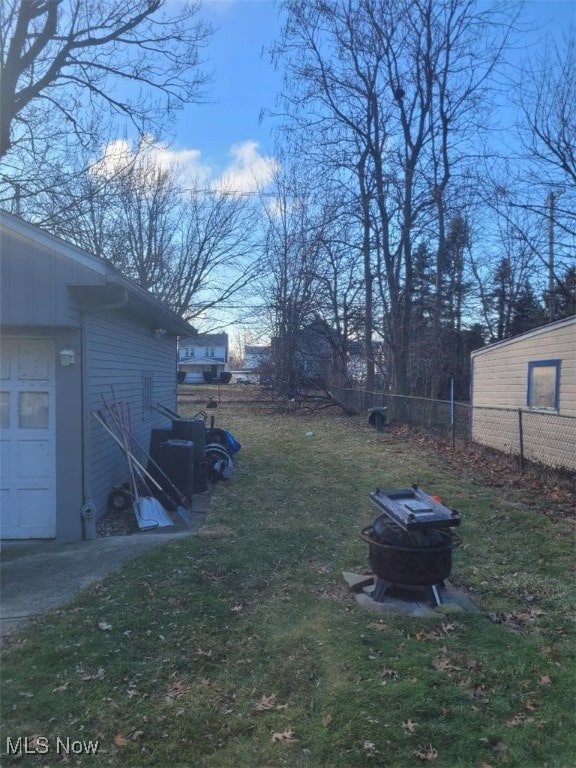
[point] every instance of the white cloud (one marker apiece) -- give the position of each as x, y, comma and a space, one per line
115, 156
248, 171
121, 153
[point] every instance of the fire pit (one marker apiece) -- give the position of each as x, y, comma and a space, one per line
411, 540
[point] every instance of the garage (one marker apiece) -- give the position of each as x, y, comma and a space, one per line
27, 439
73, 330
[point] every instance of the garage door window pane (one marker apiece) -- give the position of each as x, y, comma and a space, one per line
33, 410
4, 410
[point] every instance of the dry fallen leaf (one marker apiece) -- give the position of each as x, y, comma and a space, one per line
426, 754
443, 664
409, 726
137, 735
100, 674
326, 721
104, 626
516, 720
545, 680
176, 689
389, 673
379, 627
286, 737
120, 740
266, 703
370, 748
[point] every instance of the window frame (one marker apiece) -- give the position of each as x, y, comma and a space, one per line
535, 365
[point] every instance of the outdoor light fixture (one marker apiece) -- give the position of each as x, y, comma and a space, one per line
66, 357
159, 333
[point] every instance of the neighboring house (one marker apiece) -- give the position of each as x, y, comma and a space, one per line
206, 352
315, 357
535, 373
324, 357
356, 367
73, 330
255, 357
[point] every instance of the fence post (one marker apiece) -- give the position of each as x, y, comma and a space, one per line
452, 414
521, 434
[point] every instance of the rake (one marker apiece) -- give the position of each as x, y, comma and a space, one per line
148, 511
178, 500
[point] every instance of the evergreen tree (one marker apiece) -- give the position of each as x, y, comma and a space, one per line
527, 312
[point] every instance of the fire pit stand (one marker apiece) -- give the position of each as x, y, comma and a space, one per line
411, 541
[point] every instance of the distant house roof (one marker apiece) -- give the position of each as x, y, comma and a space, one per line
252, 350
206, 340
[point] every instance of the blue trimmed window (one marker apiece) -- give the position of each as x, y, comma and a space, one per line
543, 385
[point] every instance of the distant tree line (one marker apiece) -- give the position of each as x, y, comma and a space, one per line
404, 222
404, 227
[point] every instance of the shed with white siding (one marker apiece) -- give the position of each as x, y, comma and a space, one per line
72, 330
529, 379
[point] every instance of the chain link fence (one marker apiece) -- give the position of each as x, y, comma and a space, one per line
544, 438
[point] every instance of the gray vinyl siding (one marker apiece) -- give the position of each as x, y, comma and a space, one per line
34, 283
120, 350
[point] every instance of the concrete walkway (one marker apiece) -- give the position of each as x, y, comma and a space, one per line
39, 576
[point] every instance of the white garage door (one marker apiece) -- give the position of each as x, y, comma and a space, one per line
27, 439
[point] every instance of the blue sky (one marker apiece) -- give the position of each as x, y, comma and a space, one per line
225, 135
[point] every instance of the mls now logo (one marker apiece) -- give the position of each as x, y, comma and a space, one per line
23, 745
40, 745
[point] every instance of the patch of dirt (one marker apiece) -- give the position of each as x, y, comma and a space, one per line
549, 489
123, 522
117, 523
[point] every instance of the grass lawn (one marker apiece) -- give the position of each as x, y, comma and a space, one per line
242, 647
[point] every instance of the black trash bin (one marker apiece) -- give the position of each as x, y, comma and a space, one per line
158, 436
194, 430
176, 460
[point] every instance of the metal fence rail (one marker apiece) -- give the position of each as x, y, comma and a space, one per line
545, 438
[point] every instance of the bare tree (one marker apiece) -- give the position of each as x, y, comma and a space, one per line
548, 109
193, 247
289, 274
61, 57
218, 254
392, 89
547, 128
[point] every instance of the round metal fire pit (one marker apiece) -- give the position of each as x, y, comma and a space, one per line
412, 559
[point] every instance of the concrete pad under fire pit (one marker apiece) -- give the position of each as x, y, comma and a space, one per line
411, 601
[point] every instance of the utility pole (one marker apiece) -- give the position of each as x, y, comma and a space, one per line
551, 282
